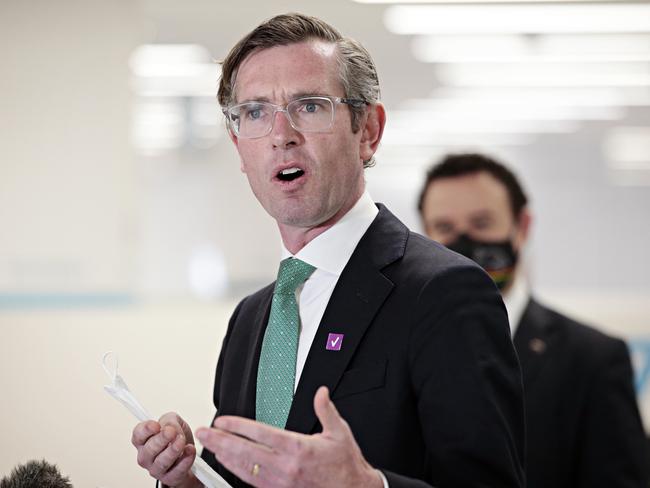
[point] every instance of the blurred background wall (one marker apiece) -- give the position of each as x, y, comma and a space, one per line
125, 222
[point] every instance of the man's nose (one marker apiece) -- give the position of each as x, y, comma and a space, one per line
282, 133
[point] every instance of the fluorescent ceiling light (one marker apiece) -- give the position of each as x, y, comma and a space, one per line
406, 139
446, 2
556, 70
594, 44
541, 48
628, 148
461, 110
165, 60
560, 75
518, 19
173, 70
573, 97
194, 86
416, 122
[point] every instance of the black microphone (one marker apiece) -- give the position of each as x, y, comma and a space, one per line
35, 474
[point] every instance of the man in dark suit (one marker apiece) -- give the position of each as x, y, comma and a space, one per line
583, 425
411, 340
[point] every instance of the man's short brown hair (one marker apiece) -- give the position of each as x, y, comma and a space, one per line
357, 71
457, 165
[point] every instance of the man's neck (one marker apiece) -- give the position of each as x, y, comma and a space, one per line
516, 298
295, 238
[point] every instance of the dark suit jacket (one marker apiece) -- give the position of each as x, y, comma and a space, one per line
427, 376
583, 422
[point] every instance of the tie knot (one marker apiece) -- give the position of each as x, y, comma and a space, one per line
293, 272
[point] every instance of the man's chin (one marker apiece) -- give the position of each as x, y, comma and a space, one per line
297, 220
300, 217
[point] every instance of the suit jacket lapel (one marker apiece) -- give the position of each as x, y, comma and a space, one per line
246, 403
359, 293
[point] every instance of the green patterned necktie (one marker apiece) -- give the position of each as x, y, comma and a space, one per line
276, 373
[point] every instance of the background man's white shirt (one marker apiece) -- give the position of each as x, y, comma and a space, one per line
516, 300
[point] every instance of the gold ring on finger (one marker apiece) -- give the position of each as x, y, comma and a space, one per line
256, 469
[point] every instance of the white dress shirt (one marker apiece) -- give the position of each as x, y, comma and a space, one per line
516, 301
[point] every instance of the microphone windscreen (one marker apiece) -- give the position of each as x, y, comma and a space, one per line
35, 474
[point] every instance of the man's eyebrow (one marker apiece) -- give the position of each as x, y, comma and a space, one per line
440, 219
301, 94
255, 99
482, 214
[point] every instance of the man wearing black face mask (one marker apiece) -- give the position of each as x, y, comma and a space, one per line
498, 258
583, 424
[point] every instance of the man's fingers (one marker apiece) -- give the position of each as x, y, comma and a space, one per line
259, 475
278, 439
161, 451
179, 470
165, 448
239, 455
327, 414
174, 420
143, 431
223, 441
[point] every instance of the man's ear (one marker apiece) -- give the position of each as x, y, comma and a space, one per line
233, 137
235, 141
523, 228
372, 130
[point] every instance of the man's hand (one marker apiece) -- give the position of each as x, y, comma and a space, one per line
265, 456
166, 449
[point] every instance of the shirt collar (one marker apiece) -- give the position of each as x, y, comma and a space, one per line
516, 300
331, 250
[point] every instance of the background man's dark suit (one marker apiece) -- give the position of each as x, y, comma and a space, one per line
426, 377
583, 421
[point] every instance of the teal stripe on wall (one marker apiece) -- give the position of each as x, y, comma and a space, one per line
63, 300
640, 349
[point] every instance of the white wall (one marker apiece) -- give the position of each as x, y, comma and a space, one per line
53, 403
66, 166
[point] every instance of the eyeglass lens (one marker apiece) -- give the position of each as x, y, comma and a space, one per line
255, 119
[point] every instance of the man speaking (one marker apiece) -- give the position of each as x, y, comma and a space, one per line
377, 358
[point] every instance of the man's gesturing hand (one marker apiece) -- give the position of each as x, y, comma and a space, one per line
265, 456
166, 449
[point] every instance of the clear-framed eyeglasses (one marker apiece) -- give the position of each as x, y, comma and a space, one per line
250, 120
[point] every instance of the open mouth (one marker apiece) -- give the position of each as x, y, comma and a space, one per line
290, 174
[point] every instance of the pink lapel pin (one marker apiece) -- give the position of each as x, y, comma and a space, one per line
334, 342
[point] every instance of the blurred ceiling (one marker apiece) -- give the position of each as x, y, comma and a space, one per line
489, 74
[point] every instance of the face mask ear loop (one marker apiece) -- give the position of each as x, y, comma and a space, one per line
112, 374
118, 390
